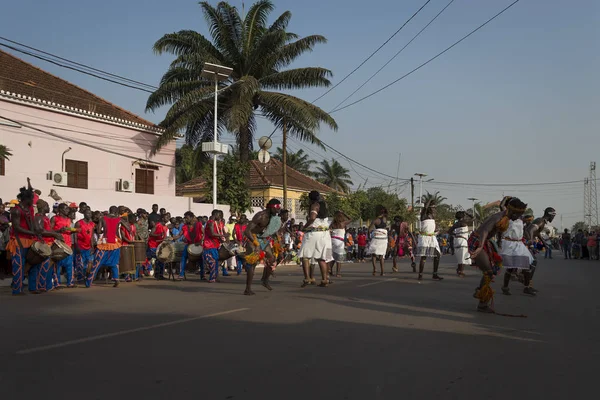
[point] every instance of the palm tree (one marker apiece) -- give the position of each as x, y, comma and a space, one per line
5, 152
258, 54
298, 160
435, 198
334, 175
189, 162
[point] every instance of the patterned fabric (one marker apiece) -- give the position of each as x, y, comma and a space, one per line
18, 262
67, 264
488, 248
210, 257
44, 278
82, 261
108, 258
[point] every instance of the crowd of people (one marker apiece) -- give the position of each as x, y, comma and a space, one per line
42, 245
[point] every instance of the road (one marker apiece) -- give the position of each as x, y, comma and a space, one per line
363, 337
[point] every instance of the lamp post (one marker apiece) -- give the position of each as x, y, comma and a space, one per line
218, 73
421, 176
473, 199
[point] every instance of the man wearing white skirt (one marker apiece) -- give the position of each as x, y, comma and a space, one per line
428, 245
317, 240
379, 239
460, 231
516, 256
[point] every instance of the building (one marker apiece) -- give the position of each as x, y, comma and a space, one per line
265, 182
82, 146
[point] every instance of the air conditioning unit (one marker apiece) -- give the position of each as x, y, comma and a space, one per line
60, 178
125, 185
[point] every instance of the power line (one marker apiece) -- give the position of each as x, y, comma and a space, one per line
78, 64
372, 54
428, 61
395, 55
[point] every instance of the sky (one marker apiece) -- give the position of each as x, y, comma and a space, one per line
517, 102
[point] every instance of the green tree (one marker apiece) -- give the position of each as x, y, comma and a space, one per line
5, 152
297, 160
579, 225
259, 55
334, 175
435, 197
232, 187
189, 162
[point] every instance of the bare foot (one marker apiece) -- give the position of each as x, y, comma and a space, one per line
249, 292
266, 284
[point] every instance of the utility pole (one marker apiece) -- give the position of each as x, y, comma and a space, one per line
284, 157
412, 198
473, 199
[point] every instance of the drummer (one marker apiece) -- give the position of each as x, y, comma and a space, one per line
199, 240
62, 225
129, 220
21, 238
44, 282
188, 236
213, 238
83, 244
240, 239
158, 233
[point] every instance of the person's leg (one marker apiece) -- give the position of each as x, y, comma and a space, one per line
68, 264
306, 270
42, 275
484, 291
92, 274
240, 264
183, 262
436, 266
211, 262
421, 267
32, 278
507, 275
381, 261
338, 269
249, 276
324, 277
395, 262
373, 259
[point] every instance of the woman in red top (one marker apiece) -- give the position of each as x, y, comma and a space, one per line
213, 237
83, 245
361, 240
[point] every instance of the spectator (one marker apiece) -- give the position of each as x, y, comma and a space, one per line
591, 245
566, 244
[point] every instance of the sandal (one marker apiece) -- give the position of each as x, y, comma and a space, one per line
323, 284
305, 283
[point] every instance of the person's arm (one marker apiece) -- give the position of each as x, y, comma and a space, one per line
486, 229
75, 243
39, 226
15, 217
254, 225
312, 216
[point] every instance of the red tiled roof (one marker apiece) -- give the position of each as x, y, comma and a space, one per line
20, 77
263, 175
271, 174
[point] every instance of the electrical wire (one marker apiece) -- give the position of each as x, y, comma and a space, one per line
372, 54
428, 61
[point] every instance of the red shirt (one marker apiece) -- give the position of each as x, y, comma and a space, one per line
128, 237
63, 222
84, 236
25, 222
154, 241
239, 232
210, 241
187, 234
46, 221
110, 230
361, 240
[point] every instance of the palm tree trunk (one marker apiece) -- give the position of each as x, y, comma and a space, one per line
244, 144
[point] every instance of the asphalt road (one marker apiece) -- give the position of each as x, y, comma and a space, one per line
363, 337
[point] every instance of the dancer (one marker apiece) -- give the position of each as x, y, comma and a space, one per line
108, 250
533, 231
460, 231
257, 234
405, 243
338, 233
317, 241
379, 239
515, 256
483, 252
428, 245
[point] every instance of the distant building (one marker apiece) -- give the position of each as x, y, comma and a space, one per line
265, 182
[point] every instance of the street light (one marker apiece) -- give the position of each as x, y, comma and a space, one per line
473, 199
218, 73
421, 176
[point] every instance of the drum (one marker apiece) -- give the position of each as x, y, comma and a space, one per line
60, 251
38, 253
227, 250
165, 252
139, 247
179, 247
194, 252
127, 259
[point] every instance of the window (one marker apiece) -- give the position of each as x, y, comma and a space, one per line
144, 181
2, 167
78, 174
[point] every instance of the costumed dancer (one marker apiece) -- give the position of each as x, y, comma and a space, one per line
61, 223
428, 245
379, 239
213, 237
41, 222
84, 257
483, 252
188, 235
316, 244
338, 234
258, 233
108, 251
460, 232
533, 231
404, 245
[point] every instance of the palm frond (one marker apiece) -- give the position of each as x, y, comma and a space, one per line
299, 78
5, 152
291, 51
185, 42
221, 33
255, 22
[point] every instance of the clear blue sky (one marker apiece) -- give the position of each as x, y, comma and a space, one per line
516, 102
